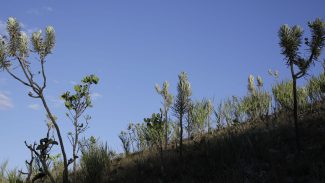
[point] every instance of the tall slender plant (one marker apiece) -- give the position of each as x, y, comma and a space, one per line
182, 103
16, 52
168, 101
77, 104
290, 43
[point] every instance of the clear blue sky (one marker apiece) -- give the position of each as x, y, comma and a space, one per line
131, 45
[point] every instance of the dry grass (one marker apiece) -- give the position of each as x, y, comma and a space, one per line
263, 151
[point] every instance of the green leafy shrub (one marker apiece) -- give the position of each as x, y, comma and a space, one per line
232, 111
199, 114
95, 161
154, 132
316, 88
9, 176
14, 176
3, 168
257, 103
283, 96
123, 136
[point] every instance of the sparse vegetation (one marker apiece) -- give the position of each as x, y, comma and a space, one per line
252, 140
77, 104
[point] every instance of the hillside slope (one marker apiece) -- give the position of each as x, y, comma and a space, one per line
262, 151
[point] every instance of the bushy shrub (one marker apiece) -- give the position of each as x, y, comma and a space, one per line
232, 111
95, 162
123, 136
134, 138
141, 136
283, 96
198, 115
316, 88
257, 103
155, 130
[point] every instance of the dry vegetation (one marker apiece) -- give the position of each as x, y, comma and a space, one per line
263, 151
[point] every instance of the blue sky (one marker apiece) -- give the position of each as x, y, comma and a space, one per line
132, 45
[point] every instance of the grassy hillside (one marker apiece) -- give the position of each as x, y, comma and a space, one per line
261, 151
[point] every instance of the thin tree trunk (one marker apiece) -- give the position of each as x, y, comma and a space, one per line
30, 167
166, 128
65, 177
295, 112
161, 150
181, 135
209, 125
188, 126
74, 152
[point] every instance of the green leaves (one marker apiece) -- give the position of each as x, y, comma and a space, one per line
81, 99
13, 29
290, 40
67, 100
184, 92
318, 36
91, 79
37, 41
184, 86
316, 88
3, 54
154, 122
68, 105
23, 45
123, 136
77, 88
18, 43
290, 43
49, 42
154, 130
199, 113
168, 98
283, 96
44, 45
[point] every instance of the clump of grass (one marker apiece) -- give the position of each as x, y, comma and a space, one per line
95, 162
9, 176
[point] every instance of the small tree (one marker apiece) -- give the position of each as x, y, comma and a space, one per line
77, 104
154, 132
182, 103
16, 52
290, 42
316, 88
168, 101
123, 136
